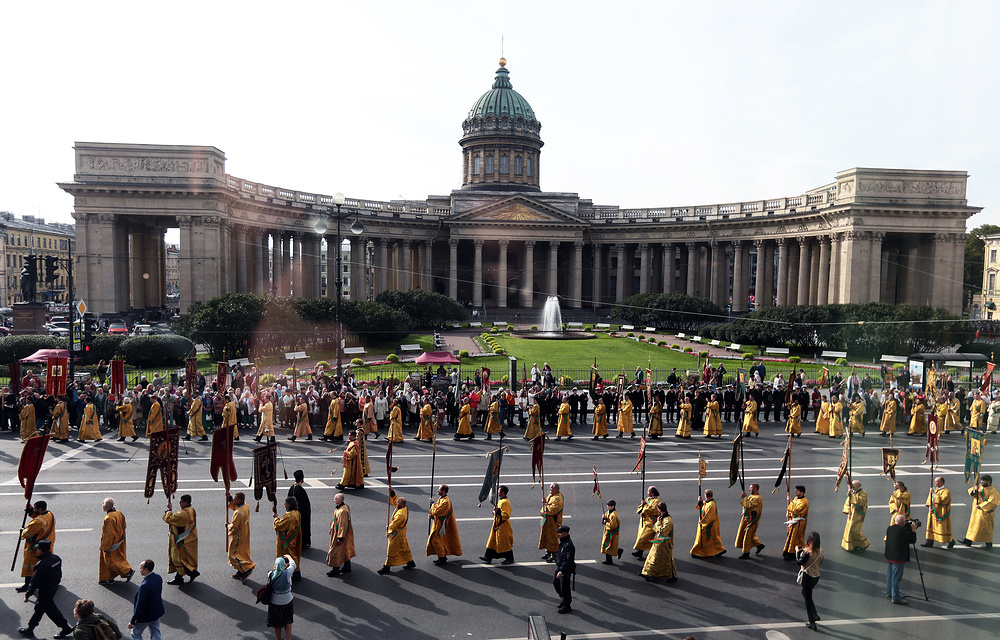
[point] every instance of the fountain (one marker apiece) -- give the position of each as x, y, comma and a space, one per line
552, 325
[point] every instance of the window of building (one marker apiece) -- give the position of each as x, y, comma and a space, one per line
19, 241
528, 168
489, 165
477, 165
993, 255
991, 287
517, 165
504, 165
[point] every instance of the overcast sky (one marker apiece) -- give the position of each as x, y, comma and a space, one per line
641, 104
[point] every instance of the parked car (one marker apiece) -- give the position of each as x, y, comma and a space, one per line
59, 329
142, 330
117, 328
4, 331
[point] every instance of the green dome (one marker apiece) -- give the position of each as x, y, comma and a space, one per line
502, 100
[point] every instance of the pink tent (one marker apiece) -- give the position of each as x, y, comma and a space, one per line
44, 354
436, 357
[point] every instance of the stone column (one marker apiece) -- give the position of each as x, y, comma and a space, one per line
528, 284
404, 269
669, 267
803, 285
81, 262
619, 251
227, 281
477, 275
275, 277
576, 277
813, 275
154, 267
768, 300
823, 284
836, 267
502, 275
212, 274
185, 255
704, 272
643, 267
297, 266
242, 240
453, 269
382, 267
285, 285
692, 267
598, 289
357, 268
553, 268
759, 276
875, 271
137, 293
428, 265
783, 266
854, 285
716, 287
740, 278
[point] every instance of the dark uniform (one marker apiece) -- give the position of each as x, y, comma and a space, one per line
45, 580
565, 568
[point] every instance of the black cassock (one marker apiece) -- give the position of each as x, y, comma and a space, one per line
298, 492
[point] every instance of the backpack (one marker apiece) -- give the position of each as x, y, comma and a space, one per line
102, 630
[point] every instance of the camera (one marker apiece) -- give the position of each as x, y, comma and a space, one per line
914, 521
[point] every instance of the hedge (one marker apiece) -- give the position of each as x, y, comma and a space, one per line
13, 348
841, 362
392, 357
156, 351
688, 349
748, 356
464, 353
357, 362
794, 359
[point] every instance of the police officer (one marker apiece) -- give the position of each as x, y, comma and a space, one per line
45, 580
565, 568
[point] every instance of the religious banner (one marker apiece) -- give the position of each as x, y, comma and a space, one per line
222, 455
14, 368
642, 454
163, 447
597, 486
784, 466
495, 457
741, 385
621, 381
844, 460
702, 467
595, 379
974, 443
265, 476
537, 457
222, 376
931, 453
389, 469
31, 463
734, 463
485, 377
117, 377
822, 379
56, 370
191, 375
987, 378
889, 459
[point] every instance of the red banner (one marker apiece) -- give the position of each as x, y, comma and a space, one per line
222, 376
15, 377
931, 452
118, 377
56, 370
222, 455
987, 378
191, 374
31, 463
537, 456
163, 447
642, 454
597, 486
485, 377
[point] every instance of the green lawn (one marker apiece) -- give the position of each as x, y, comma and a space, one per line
611, 354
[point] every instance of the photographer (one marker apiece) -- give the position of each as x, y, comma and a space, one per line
898, 538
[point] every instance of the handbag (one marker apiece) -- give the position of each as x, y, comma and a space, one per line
798, 578
264, 593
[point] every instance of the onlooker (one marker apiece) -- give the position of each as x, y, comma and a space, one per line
45, 580
279, 612
898, 538
87, 628
148, 607
810, 559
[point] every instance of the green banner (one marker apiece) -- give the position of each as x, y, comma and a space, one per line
974, 443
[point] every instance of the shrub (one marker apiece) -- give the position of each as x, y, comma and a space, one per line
703, 354
534, 327
748, 356
357, 362
267, 379
899, 366
642, 337
13, 348
841, 362
688, 349
393, 358
504, 379
588, 328
652, 340
103, 347
154, 351
675, 346
498, 351
629, 335
324, 364
495, 330
661, 343
794, 359
464, 353
292, 372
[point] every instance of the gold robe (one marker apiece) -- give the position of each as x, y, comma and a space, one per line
443, 539
40, 528
823, 419
229, 420
953, 421
493, 420
371, 424
182, 540
857, 417
333, 428
501, 534
154, 421
353, 474
656, 419
600, 421
341, 537
195, 427
60, 422
746, 535
396, 424
976, 414
625, 417
648, 512
113, 561
125, 428
27, 415
302, 427
660, 561
612, 529
552, 517
750, 417
984, 503
426, 429
89, 430
713, 423
794, 424
836, 420
239, 538
534, 428
266, 420
708, 539
899, 502
889, 416
398, 551
939, 518
918, 423
562, 426
464, 422
684, 420
855, 506
797, 508
288, 537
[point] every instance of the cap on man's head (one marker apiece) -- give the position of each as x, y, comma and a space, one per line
562, 529
299, 476
44, 546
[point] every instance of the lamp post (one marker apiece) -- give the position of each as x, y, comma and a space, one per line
357, 229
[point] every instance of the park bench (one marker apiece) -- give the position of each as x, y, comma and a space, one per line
887, 358
833, 355
777, 351
406, 347
296, 355
574, 325
602, 325
354, 351
628, 327
650, 329
682, 336
475, 324
715, 343
696, 339
734, 347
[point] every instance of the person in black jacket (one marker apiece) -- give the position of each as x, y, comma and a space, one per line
148, 607
898, 538
565, 568
45, 580
298, 492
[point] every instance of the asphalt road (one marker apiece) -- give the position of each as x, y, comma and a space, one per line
717, 598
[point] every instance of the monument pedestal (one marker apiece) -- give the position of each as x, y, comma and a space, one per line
29, 318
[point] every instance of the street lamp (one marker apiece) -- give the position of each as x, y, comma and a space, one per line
357, 229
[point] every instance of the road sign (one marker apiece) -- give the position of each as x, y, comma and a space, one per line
81, 307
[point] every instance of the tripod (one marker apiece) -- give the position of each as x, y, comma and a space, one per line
919, 570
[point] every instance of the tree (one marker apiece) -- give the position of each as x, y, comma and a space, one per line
975, 259
426, 309
668, 311
225, 324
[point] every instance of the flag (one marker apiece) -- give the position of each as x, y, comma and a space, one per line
597, 487
741, 385
388, 463
265, 474
191, 374
117, 377
702, 467
784, 467
734, 463
56, 370
485, 377
889, 459
537, 456
31, 462
222, 376
987, 378
931, 453
789, 387
974, 443
822, 380
642, 454
622, 381
844, 458
222, 455
163, 447
595, 379
492, 474
15, 378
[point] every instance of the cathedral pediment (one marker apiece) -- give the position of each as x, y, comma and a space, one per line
523, 210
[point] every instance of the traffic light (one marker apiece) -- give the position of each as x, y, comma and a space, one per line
31, 268
51, 269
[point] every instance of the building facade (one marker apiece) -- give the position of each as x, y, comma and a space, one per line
991, 278
890, 235
26, 237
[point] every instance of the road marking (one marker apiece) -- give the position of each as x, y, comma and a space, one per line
490, 519
473, 565
898, 446
682, 631
59, 531
48, 464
